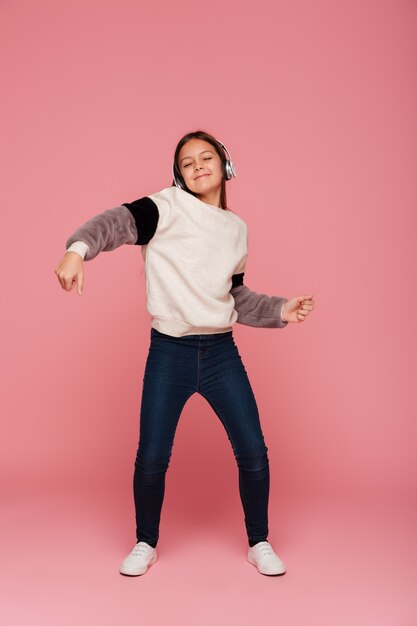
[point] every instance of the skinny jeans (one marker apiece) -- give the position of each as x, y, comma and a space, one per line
176, 368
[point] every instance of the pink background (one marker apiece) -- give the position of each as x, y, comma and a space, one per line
316, 102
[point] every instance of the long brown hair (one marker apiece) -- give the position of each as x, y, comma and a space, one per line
201, 134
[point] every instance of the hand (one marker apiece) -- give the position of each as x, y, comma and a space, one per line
70, 272
296, 309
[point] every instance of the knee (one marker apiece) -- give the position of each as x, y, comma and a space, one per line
255, 464
151, 466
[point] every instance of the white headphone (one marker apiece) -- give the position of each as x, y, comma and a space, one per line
229, 169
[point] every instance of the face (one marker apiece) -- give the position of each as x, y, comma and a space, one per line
200, 167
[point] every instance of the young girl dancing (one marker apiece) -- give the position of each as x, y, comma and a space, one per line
195, 250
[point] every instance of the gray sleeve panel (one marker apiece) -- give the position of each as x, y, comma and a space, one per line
106, 231
258, 309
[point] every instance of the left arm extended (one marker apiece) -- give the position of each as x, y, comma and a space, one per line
256, 309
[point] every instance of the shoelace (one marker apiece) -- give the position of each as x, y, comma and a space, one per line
139, 550
266, 548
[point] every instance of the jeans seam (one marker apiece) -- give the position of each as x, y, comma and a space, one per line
220, 414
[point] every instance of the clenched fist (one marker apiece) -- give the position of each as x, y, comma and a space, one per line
296, 309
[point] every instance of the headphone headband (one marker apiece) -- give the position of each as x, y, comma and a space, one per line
229, 168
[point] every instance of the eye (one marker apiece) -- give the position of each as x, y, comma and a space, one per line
205, 159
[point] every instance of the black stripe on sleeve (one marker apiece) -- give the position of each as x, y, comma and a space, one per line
237, 279
146, 216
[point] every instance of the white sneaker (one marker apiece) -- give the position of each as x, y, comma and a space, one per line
139, 559
262, 555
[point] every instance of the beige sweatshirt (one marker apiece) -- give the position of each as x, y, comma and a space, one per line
195, 257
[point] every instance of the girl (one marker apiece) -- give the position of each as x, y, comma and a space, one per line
194, 250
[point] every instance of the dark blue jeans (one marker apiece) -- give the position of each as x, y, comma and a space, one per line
176, 368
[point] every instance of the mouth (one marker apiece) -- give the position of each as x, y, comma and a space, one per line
201, 176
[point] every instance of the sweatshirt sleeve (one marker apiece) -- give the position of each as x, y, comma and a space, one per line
130, 223
256, 309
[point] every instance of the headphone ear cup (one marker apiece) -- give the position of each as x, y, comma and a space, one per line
179, 182
177, 178
228, 170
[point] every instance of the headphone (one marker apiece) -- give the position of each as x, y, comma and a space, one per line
229, 169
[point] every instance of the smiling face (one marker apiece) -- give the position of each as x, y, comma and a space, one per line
201, 168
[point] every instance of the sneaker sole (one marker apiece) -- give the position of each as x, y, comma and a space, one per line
277, 572
127, 572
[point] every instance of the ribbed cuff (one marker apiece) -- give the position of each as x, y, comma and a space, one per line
80, 247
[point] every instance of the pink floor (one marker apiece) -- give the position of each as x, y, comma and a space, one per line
349, 562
